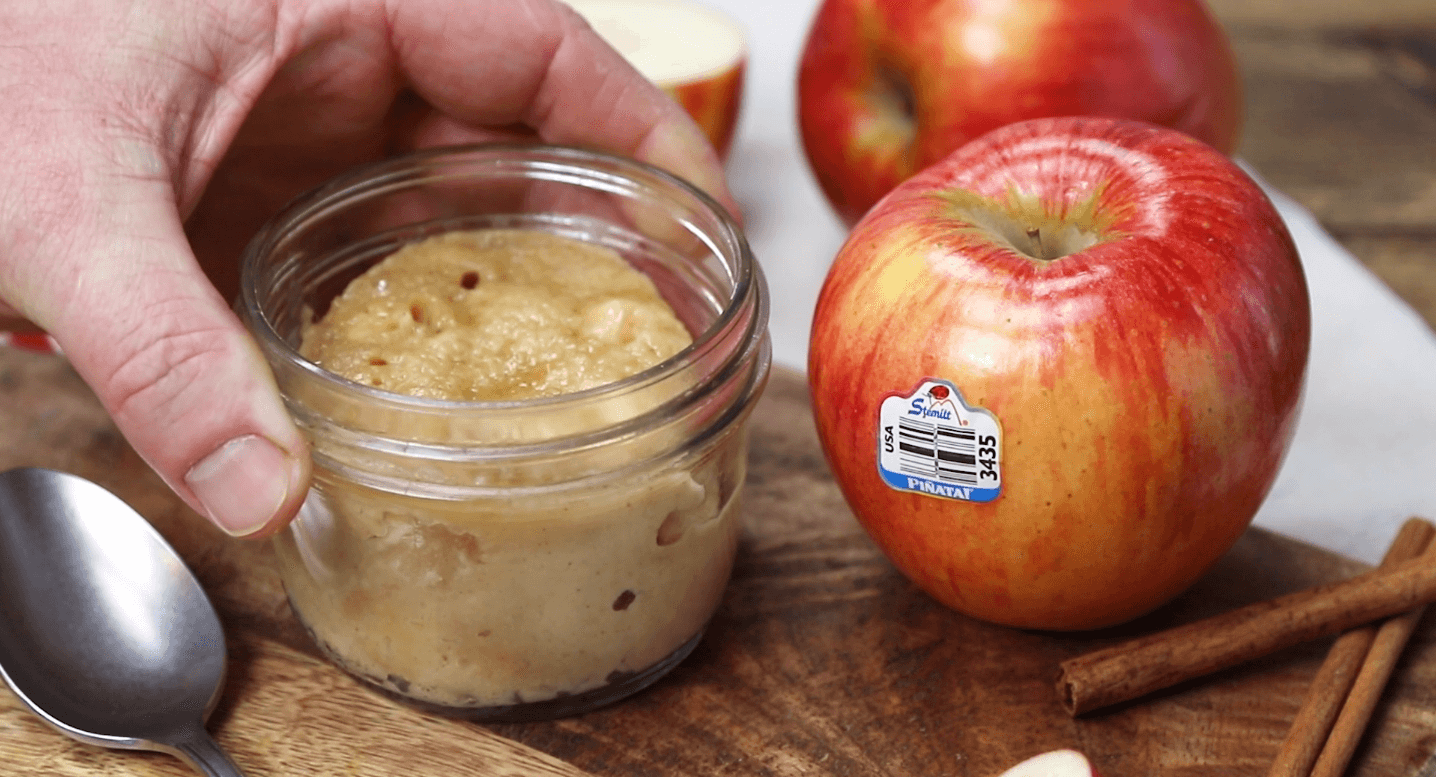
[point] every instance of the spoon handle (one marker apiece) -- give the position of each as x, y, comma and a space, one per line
204, 754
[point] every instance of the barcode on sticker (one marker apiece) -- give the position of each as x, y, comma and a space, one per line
935, 450
931, 442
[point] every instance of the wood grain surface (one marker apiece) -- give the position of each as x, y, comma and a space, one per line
1341, 115
822, 660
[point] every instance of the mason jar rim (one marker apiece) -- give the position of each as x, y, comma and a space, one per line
571, 161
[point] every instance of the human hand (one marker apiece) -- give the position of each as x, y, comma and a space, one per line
147, 140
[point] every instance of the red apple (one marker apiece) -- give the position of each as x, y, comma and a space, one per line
889, 87
1054, 763
695, 53
1055, 374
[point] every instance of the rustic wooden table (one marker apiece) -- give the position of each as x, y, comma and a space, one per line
823, 660
1341, 115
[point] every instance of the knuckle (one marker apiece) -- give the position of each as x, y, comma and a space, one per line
166, 374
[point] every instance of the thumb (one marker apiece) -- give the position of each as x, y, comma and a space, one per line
169, 359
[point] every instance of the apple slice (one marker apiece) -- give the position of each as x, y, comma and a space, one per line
695, 53
1055, 763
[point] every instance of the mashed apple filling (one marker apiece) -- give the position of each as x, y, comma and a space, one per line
528, 594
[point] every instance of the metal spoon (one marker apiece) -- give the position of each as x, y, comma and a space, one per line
104, 632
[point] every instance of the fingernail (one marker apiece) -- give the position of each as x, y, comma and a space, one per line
242, 484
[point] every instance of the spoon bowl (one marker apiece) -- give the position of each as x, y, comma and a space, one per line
104, 632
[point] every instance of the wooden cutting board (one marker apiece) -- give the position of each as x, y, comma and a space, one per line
823, 660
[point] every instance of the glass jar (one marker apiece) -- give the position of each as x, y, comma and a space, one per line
529, 559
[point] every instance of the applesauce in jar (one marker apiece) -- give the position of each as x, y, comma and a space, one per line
528, 433
495, 315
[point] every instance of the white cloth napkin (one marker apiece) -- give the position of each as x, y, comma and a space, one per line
1361, 462
1367, 435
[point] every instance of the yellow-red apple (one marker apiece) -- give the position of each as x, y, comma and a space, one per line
888, 87
1055, 374
695, 53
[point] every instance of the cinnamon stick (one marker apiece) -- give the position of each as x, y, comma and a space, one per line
1385, 651
1146, 664
1333, 681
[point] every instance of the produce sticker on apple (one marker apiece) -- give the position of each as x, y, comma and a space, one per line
931, 442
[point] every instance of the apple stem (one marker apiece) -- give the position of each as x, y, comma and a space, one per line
1035, 235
